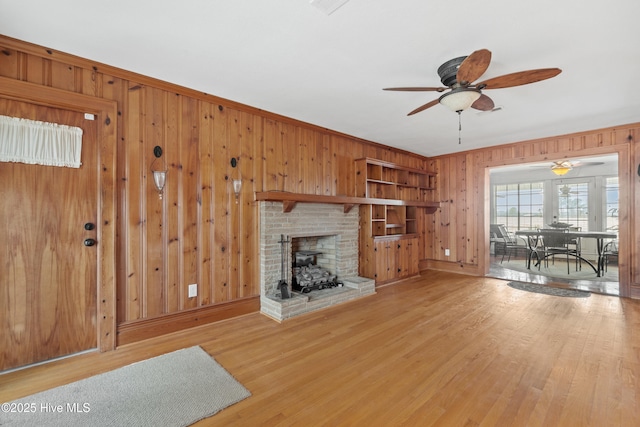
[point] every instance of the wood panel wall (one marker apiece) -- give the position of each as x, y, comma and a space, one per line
461, 224
196, 233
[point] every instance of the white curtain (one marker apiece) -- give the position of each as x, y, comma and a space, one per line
33, 142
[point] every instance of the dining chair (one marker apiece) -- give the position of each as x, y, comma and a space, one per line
556, 241
505, 240
610, 251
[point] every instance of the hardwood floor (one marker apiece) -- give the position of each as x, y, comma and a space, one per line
442, 349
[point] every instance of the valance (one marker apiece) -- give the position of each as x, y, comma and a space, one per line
34, 142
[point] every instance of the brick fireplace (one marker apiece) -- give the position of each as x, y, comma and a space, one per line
318, 227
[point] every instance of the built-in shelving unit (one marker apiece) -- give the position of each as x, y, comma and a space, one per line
389, 228
400, 192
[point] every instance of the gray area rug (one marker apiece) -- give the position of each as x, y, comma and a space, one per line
549, 290
559, 270
175, 389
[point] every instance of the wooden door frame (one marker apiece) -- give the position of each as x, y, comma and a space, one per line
106, 118
626, 219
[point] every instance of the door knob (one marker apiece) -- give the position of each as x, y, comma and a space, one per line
89, 242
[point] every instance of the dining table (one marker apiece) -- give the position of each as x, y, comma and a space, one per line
535, 237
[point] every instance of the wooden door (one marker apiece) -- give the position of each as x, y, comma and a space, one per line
403, 259
381, 248
386, 260
48, 280
413, 254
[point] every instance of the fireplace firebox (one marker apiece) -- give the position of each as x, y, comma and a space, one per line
308, 275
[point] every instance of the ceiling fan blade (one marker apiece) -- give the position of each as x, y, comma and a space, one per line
417, 89
579, 163
473, 67
519, 78
484, 103
424, 107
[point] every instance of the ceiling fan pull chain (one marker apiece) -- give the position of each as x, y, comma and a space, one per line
459, 127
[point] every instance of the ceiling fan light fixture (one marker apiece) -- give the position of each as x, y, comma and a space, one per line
560, 169
459, 99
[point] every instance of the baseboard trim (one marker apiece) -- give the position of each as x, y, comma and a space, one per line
452, 267
148, 328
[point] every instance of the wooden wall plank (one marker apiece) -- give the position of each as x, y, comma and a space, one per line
9, 63
345, 154
235, 137
190, 200
171, 206
88, 82
37, 70
116, 89
304, 166
220, 291
132, 236
207, 219
270, 157
460, 238
63, 76
287, 168
327, 153
250, 166
154, 236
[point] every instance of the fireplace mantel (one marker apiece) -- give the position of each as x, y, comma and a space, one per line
289, 200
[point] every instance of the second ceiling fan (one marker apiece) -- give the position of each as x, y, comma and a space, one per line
458, 75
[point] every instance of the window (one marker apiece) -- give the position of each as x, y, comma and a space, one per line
519, 206
530, 197
573, 204
611, 192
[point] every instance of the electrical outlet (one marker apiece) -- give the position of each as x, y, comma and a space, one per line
447, 252
193, 290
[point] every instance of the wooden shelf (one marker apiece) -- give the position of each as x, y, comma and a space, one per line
379, 179
289, 200
396, 236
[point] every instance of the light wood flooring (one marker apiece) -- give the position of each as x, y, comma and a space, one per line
440, 350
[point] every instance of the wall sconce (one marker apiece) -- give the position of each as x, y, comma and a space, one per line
237, 183
237, 186
159, 175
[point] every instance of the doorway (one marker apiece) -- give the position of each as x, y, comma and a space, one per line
531, 197
48, 289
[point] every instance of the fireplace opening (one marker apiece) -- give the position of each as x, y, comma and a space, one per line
308, 275
314, 263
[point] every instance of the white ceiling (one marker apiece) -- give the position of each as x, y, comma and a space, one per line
288, 57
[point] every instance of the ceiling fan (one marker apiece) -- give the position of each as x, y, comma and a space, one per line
565, 191
458, 75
